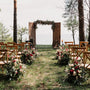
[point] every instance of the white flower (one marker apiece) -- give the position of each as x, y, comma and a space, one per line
74, 73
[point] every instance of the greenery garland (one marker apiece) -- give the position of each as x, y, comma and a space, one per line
43, 22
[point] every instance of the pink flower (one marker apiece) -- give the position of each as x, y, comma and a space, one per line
20, 67
31, 55
76, 58
75, 62
71, 70
8, 56
25, 48
13, 57
14, 61
33, 52
66, 49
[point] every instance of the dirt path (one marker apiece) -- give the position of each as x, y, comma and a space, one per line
44, 73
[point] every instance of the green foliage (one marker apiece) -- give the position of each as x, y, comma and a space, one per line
43, 22
70, 8
21, 31
4, 34
64, 59
72, 23
71, 12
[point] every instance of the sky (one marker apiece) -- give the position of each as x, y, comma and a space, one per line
32, 10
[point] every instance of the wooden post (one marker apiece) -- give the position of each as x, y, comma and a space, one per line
56, 34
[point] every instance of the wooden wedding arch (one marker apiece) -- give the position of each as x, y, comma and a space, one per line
56, 27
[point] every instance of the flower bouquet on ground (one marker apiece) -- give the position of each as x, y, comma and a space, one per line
76, 74
34, 52
64, 59
27, 57
58, 52
63, 56
13, 69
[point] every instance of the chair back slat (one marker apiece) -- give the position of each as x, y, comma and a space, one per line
11, 43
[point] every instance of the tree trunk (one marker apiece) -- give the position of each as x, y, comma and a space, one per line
15, 22
81, 20
73, 36
89, 25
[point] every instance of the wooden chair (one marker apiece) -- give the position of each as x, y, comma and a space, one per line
23, 44
3, 57
1, 43
83, 44
11, 43
3, 46
88, 47
27, 45
86, 59
20, 48
66, 43
70, 46
11, 48
77, 54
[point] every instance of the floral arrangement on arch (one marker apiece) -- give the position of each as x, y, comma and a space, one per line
62, 56
76, 74
13, 68
43, 22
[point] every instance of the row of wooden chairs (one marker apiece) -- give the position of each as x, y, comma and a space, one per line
81, 44
80, 52
9, 49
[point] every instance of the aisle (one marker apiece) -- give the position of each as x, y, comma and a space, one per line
44, 73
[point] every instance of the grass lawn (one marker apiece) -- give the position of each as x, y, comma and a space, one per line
43, 74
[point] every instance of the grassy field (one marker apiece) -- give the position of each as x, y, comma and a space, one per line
44, 46
43, 74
